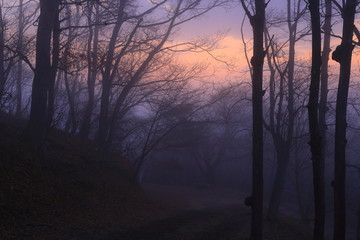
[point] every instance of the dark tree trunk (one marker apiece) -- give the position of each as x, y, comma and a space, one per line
2, 57
324, 77
315, 137
342, 54
36, 128
257, 62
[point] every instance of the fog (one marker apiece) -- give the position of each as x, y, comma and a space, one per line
113, 72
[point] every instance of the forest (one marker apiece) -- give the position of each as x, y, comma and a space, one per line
279, 124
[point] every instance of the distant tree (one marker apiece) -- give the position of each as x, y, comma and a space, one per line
92, 62
222, 121
343, 55
171, 105
7, 57
286, 87
257, 21
21, 26
155, 34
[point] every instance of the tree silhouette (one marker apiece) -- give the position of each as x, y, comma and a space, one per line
343, 55
315, 137
257, 21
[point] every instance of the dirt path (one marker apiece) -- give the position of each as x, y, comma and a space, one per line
217, 224
210, 224
202, 214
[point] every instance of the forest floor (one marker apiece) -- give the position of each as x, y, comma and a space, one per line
70, 192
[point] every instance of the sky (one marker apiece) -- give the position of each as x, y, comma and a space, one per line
231, 47
220, 20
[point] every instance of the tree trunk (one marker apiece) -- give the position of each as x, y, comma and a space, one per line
323, 108
315, 137
71, 102
283, 138
54, 68
92, 54
324, 76
19, 65
36, 128
2, 57
342, 54
102, 133
257, 62
283, 156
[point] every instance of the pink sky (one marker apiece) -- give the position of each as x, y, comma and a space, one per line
231, 48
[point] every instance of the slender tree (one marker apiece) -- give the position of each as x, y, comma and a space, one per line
2, 57
343, 55
55, 50
324, 77
92, 60
19, 64
315, 137
257, 22
283, 108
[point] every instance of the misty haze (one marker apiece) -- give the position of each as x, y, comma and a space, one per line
179, 119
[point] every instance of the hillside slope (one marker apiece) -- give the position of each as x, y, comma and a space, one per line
69, 189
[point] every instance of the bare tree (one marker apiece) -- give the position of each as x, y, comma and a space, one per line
315, 136
182, 12
7, 56
283, 106
343, 55
19, 65
2, 43
36, 129
257, 21
92, 60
